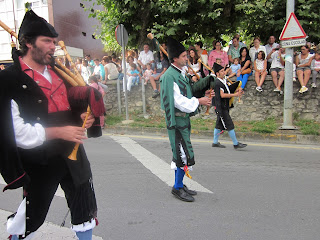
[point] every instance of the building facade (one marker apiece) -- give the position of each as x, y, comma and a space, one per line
68, 17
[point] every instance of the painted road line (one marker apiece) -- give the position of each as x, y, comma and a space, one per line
58, 193
46, 231
155, 164
276, 145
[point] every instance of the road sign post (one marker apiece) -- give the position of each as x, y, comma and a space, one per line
122, 39
291, 36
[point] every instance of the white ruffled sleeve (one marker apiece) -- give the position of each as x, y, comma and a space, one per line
27, 136
183, 103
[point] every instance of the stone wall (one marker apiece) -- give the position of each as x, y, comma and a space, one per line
254, 105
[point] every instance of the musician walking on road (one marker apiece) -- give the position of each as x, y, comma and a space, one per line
39, 131
179, 104
223, 94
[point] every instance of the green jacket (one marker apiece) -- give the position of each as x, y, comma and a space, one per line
187, 89
178, 124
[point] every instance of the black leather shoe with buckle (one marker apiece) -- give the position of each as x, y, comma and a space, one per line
190, 192
182, 195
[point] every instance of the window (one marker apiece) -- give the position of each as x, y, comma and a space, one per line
20, 4
2, 5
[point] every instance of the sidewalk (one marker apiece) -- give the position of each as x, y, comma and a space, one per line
291, 137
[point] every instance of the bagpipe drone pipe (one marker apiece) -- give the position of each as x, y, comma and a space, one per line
201, 85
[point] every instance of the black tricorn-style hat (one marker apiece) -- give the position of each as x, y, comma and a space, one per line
32, 25
217, 67
174, 48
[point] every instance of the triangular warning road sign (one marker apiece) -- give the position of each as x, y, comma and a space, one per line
292, 29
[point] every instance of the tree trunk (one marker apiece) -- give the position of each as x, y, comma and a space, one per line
145, 17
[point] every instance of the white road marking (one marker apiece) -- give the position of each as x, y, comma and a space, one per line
58, 193
46, 231
155, 164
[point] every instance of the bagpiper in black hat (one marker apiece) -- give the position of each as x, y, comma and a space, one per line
175, 48
217, 67
32, 26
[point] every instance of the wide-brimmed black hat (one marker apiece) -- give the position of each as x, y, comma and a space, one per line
217, 67
32, 25
174, 48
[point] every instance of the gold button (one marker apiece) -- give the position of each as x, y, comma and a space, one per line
27, 202
24, 86
38, 119
37, 82
39, 101
27, 218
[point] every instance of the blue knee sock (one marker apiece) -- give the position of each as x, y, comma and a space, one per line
179, 174
87, 235
216, 134
14, 237
232, 135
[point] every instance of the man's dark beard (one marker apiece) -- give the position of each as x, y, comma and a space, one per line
39, 56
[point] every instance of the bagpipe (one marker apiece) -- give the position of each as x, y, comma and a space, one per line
233, 86
81, 97
160, 48
200, 87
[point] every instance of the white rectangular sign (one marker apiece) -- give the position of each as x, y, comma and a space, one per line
293, 43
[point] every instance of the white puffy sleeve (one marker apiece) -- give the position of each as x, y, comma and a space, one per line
183, 103
27, 136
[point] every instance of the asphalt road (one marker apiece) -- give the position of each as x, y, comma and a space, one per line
265, 191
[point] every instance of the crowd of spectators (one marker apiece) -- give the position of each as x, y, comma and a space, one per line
240, 62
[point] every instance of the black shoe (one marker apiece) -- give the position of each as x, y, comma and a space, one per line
190, 192
182, 195
240, 145
219, 145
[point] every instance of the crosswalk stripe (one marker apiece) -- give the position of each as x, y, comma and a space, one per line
58, 193
155, 164
46, 231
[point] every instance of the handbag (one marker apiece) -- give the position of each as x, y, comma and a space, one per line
246, 71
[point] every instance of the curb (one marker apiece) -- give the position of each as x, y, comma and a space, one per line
243, 136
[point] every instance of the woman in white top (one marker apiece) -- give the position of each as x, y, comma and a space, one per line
253, 52
303, 62
193, 62
111, 71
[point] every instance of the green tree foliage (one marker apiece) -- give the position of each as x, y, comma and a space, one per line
262, 18
308, 13
191, 20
